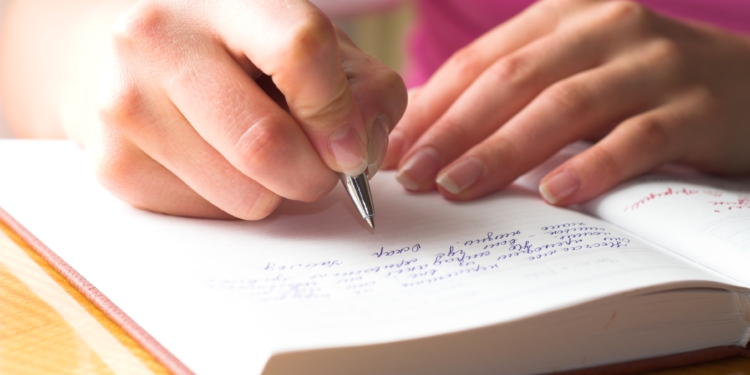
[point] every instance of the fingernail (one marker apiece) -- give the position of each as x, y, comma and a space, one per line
419, 169
378, 145
348, 150
461, 175
560, 186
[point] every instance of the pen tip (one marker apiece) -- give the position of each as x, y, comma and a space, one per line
371, 221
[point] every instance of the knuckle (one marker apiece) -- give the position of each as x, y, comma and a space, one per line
452, 133
514, 69
705, 100
121, 105
623, 12
309, 38
390, 81
262, 143
466, 60
667, 53
651, 132
605, 162
567, 99
664, 48
144, 25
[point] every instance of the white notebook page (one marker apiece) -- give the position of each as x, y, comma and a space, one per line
702, 218
224, 295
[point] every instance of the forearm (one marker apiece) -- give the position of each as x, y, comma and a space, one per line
49, 60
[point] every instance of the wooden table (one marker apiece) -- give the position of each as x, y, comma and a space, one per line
48, 327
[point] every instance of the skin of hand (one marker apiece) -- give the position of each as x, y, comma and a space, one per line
646, 88
212, 109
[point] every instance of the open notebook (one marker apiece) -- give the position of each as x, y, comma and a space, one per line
506, 284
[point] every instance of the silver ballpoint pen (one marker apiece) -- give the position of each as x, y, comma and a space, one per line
358, 188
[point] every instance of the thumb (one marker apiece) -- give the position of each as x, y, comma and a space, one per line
296, 46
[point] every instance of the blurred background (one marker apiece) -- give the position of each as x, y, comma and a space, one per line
381, 34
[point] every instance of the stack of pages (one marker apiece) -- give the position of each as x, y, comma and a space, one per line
654, 271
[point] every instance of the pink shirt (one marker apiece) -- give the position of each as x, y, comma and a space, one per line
444, 26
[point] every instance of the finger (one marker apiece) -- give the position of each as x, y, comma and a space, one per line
567, 111
380, 95
637, 146
121, 166
465, 66
296, 45
235, 116
207, 172
500, 92
152, 122
129, 174
249, 129
395, 139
